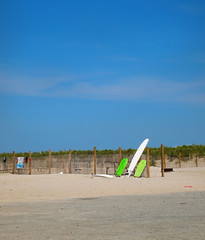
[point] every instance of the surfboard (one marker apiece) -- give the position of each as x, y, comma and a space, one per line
103, 175
140, 168
121, 167
137, 157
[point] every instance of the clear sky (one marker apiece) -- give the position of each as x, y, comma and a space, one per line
78, 74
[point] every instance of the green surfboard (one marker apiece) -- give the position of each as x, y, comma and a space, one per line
121, 167
140, 168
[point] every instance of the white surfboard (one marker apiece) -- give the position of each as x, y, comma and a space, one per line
103, 175
137, 157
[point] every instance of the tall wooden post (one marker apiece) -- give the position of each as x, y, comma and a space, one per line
180, 160
196, 159
14, 163
95, 160
29, 163
49, 161
120, 154
162, 159
70, 163
148, 172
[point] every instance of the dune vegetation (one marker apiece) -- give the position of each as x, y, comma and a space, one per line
171, 151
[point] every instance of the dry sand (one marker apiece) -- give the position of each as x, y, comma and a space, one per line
85, 207
29, 188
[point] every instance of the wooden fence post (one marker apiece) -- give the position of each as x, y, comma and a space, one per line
95, 160
120, 154
49, 161
29, 163
196, 159
162, 159
148, 172
70, 163
180, 160
14, 163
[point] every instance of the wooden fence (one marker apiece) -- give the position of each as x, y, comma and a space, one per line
94, 163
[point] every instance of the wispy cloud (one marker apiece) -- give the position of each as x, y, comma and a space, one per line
130, 89
27, 85
139, 90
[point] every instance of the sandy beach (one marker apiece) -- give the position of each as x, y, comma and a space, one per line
63, 206
31, 188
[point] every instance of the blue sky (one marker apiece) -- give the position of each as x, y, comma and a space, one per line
79, 74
